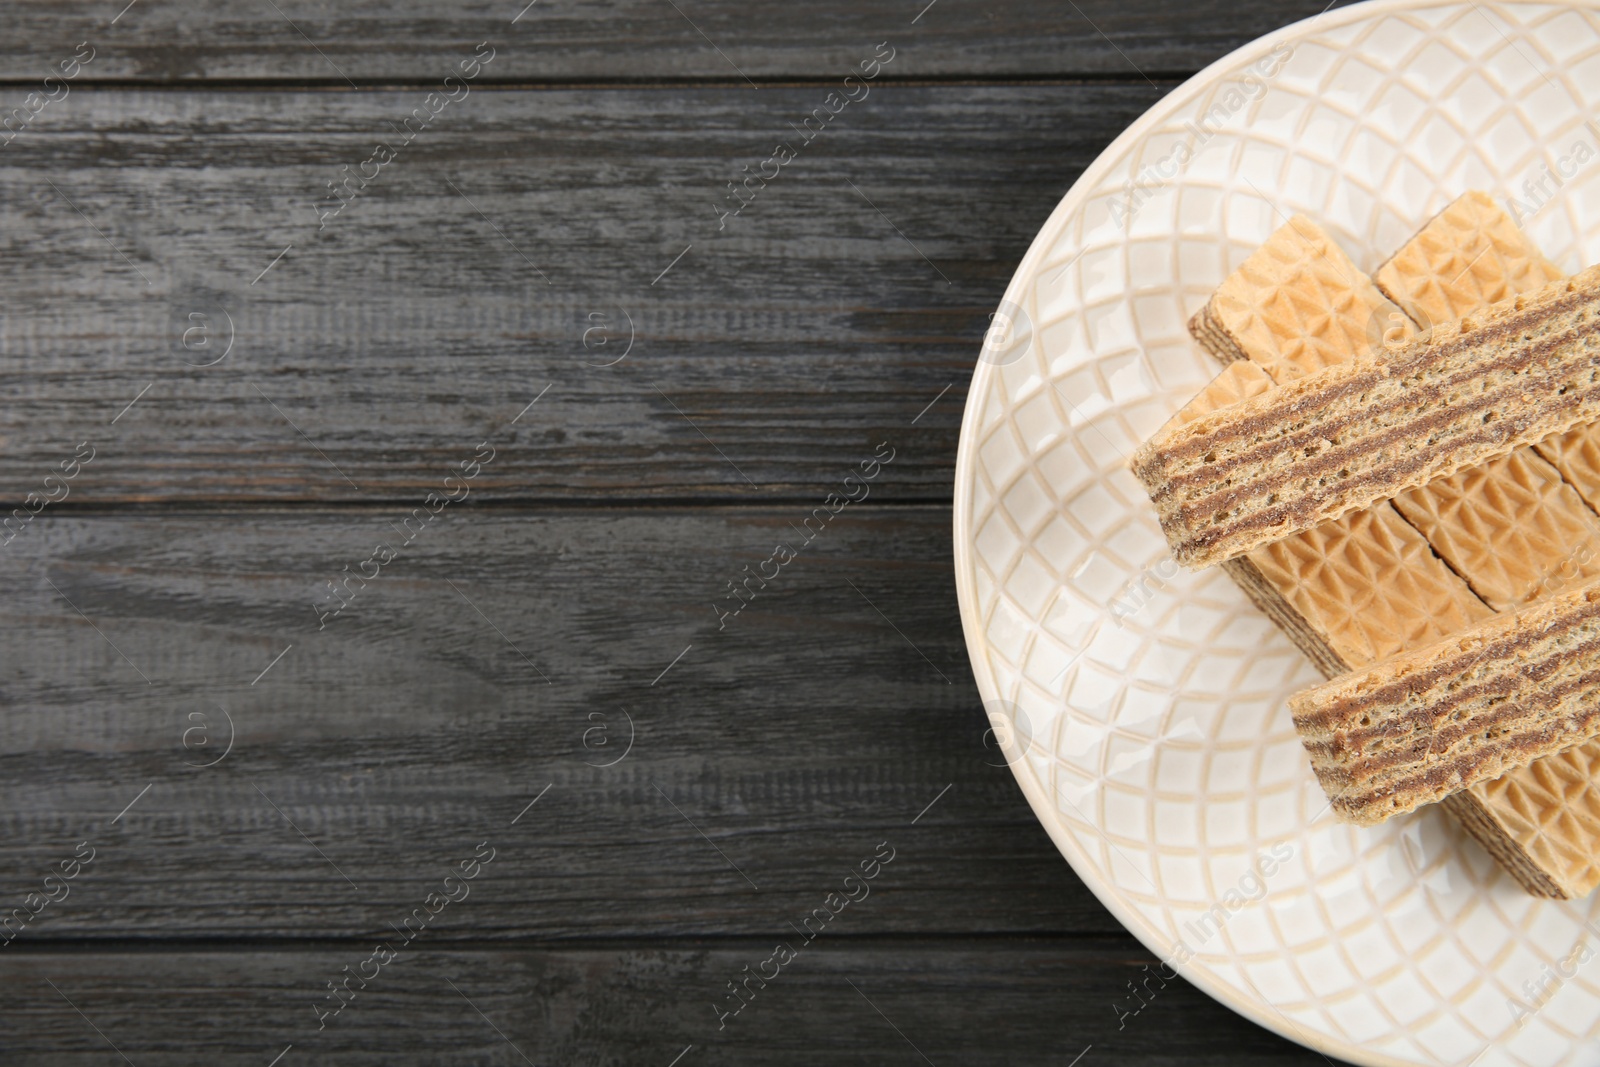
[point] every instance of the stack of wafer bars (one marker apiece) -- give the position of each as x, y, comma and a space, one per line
1458, 618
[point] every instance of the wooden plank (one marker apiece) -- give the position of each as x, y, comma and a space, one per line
772, 756
366, 41
377, 352
840, 1001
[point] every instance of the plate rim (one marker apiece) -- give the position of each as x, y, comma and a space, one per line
1256, 1010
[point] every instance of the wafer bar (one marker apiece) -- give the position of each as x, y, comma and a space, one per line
1541, 822
1510, 527
1366, 585
1238, 381
1366, 430
1295, 306
1470, 255
1422, 725
1514, 535
1356, 589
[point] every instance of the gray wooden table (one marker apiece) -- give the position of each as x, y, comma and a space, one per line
373, 689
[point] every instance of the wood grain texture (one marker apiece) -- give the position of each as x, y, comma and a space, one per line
171, 601
375, 354
419, 723
844, 1001
621, 40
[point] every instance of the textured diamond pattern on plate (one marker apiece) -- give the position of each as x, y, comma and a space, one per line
1404, 944
1298, 304
1512, 528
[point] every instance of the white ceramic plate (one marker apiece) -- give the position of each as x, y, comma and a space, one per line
1148, 705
